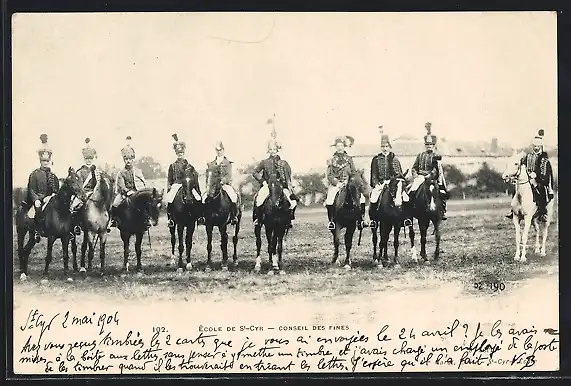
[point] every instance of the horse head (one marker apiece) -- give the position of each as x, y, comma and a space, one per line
355, 187
212, 184
72, 191
189, 181
513, 171
276, 199
149, 201
427, 195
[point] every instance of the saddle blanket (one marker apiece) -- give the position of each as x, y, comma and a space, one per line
45, 201
264, 193
332, 192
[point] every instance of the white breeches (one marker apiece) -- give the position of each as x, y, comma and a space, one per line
169, 197
229, 190
45, 201
265, 192
332, 192
416, 183
377, 190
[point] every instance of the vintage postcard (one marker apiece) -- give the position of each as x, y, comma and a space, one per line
254, 193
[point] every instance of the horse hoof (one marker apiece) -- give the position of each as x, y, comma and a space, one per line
523, 260
542, 254
44, 281
347, 267
23, 277
189, 266
179, 271
397, 266
537, 251
270, 273
69, 279
208, 269
257, 268
82, 270
139, 273
282, 272
225, 268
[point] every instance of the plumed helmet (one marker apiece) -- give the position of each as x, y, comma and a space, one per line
44, 152
429, 138
127, 151
538, 140
384, 138
88, 152
346, 140
178, 146
219, 145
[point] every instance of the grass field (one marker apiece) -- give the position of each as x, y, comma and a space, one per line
477, 246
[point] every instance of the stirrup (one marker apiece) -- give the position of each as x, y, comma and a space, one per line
37, 237
510, 215
373, 224
331, 225
77, 230
408, 222
170, 223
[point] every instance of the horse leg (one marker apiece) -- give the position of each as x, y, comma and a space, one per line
189, 236
258, 234
209, 230
84, 249
65, 250
544, 238
90, 249
396, 229
139, 251
280, 249
224, 246
349, 232
515, 220
180, 233
51, 241
423, 225
126, 239
102, 243
21, 257
385, 232
235, 242
273, 252
173, 245
537, 227
336, 242
269, 239
26, 252
526, 226
375, 241
437, 239
413, 253
74, 253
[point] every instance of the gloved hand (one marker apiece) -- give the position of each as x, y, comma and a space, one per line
37, 203
130, 193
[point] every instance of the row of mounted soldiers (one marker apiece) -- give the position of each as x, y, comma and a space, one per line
43, 183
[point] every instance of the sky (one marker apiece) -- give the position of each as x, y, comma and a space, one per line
221, 76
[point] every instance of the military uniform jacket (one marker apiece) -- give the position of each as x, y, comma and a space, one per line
130, 179
384, 168
426, 163
339, 167
273, 167
176, 172
84, 173
540, 165
42, 183
221, 172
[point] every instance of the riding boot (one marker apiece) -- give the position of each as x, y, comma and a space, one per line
170, 222
331, 224
113, 215
372, 209
234, 214
361, 223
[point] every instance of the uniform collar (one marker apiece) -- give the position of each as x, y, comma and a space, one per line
383, 155
45, 169
341, 153
275, 157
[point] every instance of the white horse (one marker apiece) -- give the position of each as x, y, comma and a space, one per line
524, 208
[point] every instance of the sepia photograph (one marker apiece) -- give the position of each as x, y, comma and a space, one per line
284, 193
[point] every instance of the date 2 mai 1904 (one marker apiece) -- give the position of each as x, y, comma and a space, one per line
489, 285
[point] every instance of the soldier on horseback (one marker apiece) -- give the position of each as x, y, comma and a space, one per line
541, 175
43, 184
384, 167
176, 174
85, 176
220, 170
273, 167
427, 167
128, 181
339, 167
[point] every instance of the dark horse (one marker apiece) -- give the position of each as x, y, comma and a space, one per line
426, 205
218, 213
347, 213
186, 209
56, 220
132, 215
389, 215
274, 216
94, 220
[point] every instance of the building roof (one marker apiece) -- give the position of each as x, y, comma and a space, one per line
410, 146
